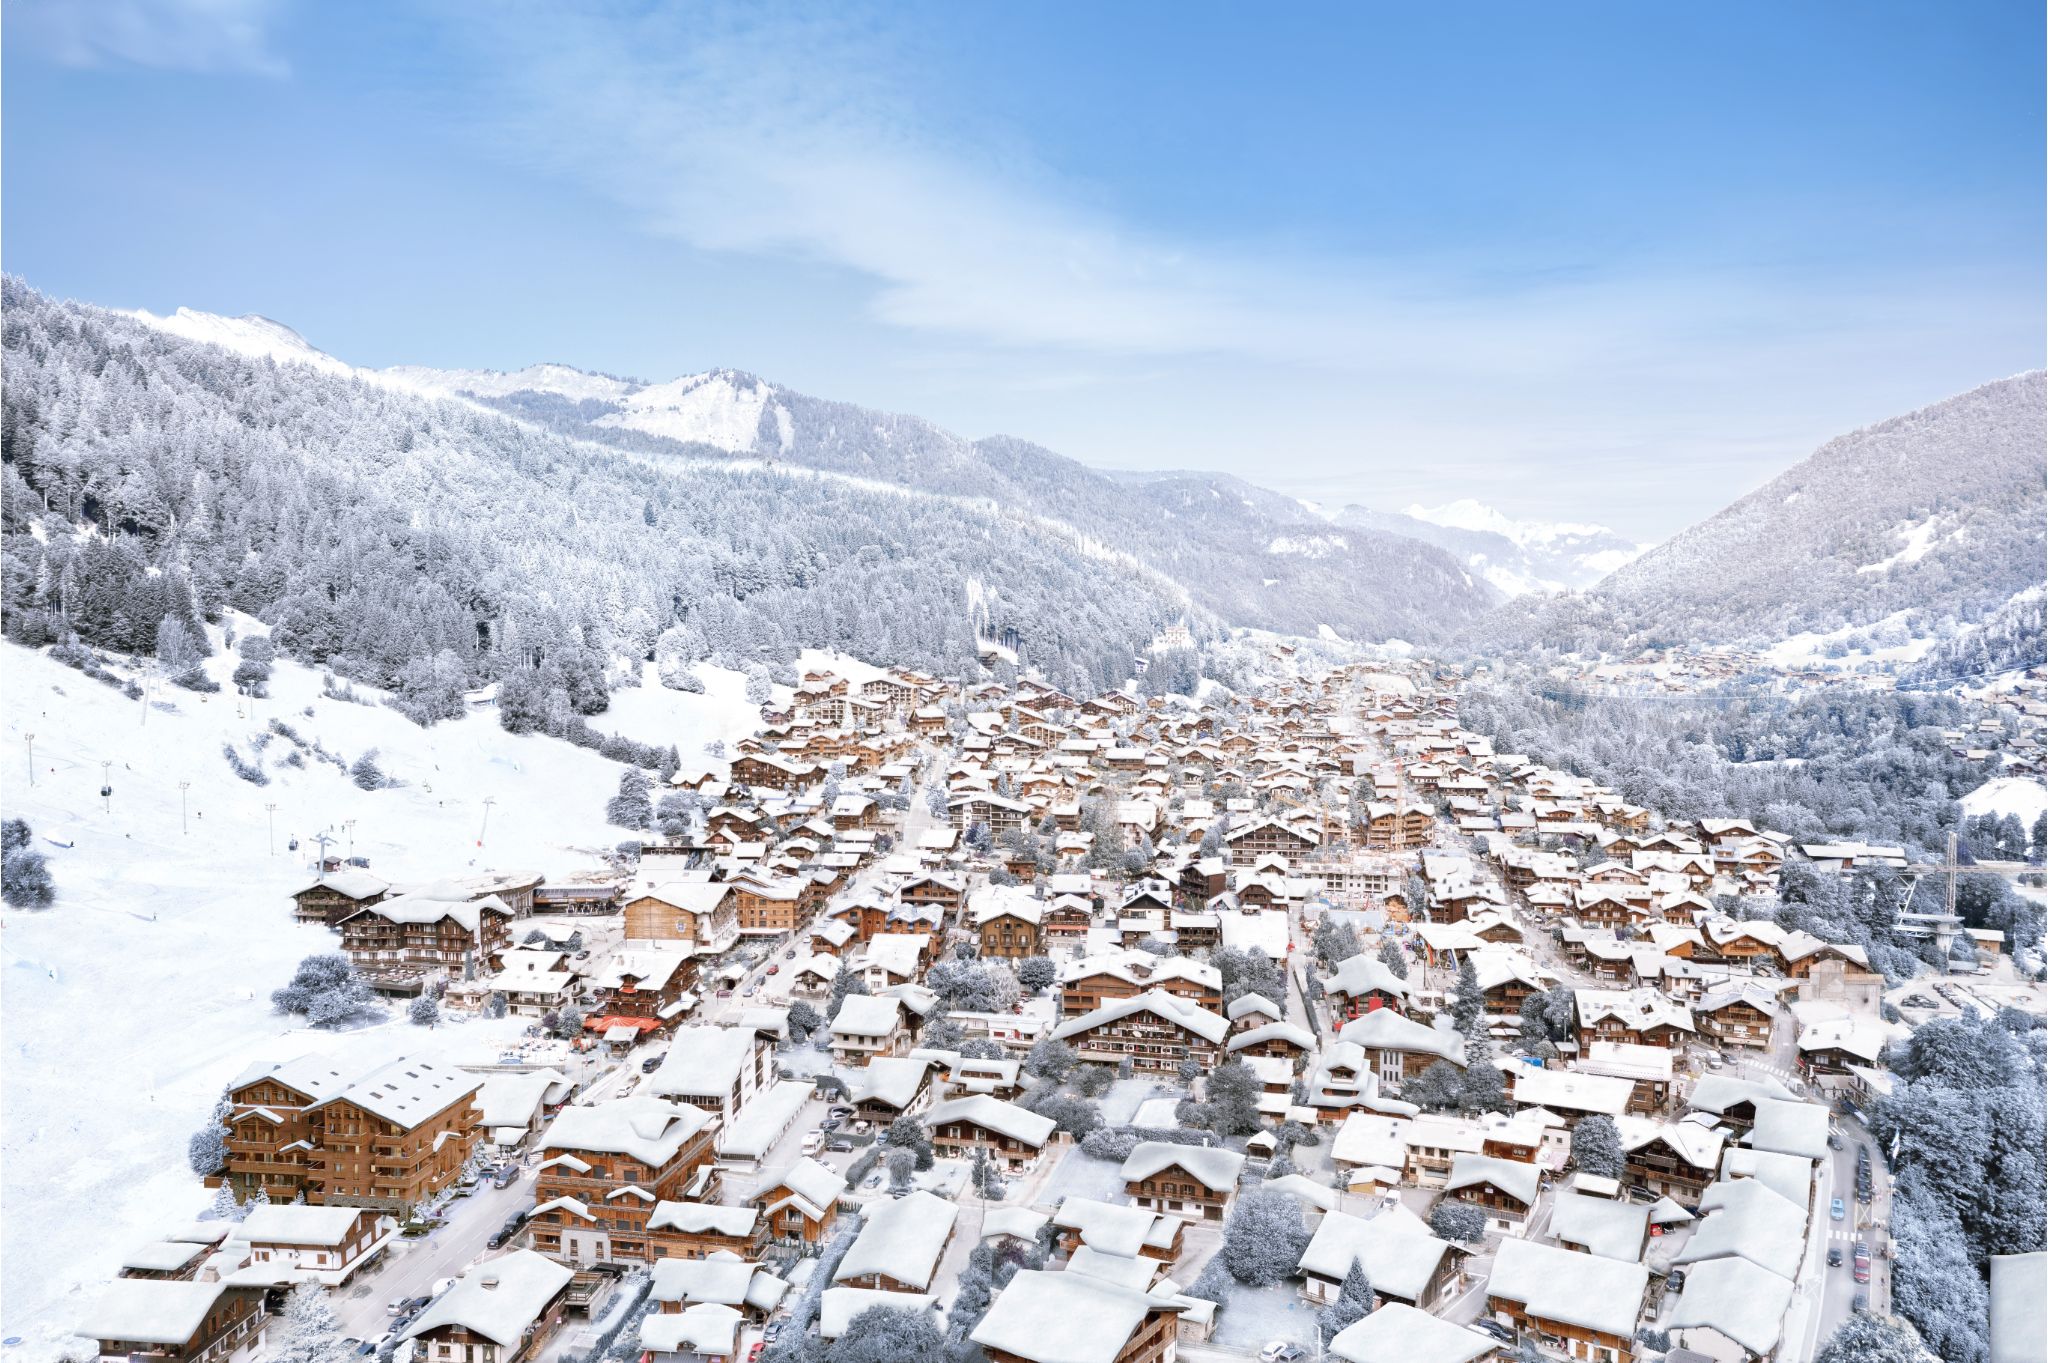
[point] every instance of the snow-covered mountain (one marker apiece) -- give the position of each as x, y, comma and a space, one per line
1913, 527
1516, 556
1252, 556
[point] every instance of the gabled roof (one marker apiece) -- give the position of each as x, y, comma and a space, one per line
1213, 1166
149, 1310
994, 1114
1739, 1299
498, 1298
1570, 1288
1385, 1029
646, 1128
1168, 1007
1399, 1333
1048, 1317
901, 1238
1397, 1251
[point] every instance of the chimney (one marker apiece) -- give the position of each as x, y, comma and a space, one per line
489, 1282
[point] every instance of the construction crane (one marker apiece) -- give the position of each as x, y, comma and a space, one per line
1944, 926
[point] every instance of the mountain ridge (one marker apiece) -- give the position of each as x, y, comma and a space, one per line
1237, 557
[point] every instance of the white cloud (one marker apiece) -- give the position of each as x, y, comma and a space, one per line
178, 35
775, 136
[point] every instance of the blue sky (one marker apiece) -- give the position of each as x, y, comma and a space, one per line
1586, 262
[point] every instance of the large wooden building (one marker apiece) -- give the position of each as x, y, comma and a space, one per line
604, 1168
387, 1140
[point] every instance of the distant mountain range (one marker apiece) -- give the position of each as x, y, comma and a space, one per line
1517, 557
1914, 526
1252, 556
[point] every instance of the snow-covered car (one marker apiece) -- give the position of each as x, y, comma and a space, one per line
1281, 1351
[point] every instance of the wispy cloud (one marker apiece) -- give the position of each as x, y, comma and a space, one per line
738, 131
225, 36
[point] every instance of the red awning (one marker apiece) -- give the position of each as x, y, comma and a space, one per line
605, 1024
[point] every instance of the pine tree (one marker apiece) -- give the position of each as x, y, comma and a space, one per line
309, 1331
1353, 1304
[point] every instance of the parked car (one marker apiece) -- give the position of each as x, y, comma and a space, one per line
1280, 1351
789, 955
1834, 1256
498, 1238
1862, 1267
1675, 1282
1835, 1209
773, 1332
750, 991
774, 970
755, 1353
1860, 1303
725, 993
1487, 1326
507, 1175
814, 1142
651, 1064
839, 1110
841, 1144
1834, 1141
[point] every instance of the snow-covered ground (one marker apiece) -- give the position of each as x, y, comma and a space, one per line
130, 1004
1802, 649
2024, 796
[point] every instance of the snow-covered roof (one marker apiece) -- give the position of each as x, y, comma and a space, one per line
891, 1079
1050, 1317
703, 1062
295, 1224
1273, 1031
1739, 1299
148, 1310
316, 1076
1744, 1218
1570, 1288
722, 1277
1571, 1090
995, 901
645, 1128
1513, 1177
513, 1097
498, 1298
1789, 1176
902, 1238
1601, 1225
434, 903
1397, 1251
1169, 1007
1385, 1029
408, 1092
1790, 1127
1357, 976
1398, 1333
1214, 1167
354, 884
708, 1328
1114, 1228
703, 1218
1005, 1118
867, 1015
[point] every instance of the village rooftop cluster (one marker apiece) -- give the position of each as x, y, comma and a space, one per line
1080, 1030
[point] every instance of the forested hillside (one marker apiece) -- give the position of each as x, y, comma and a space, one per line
428, 545
1932, 517
1253, 557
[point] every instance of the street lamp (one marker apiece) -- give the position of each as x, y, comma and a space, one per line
183, 786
